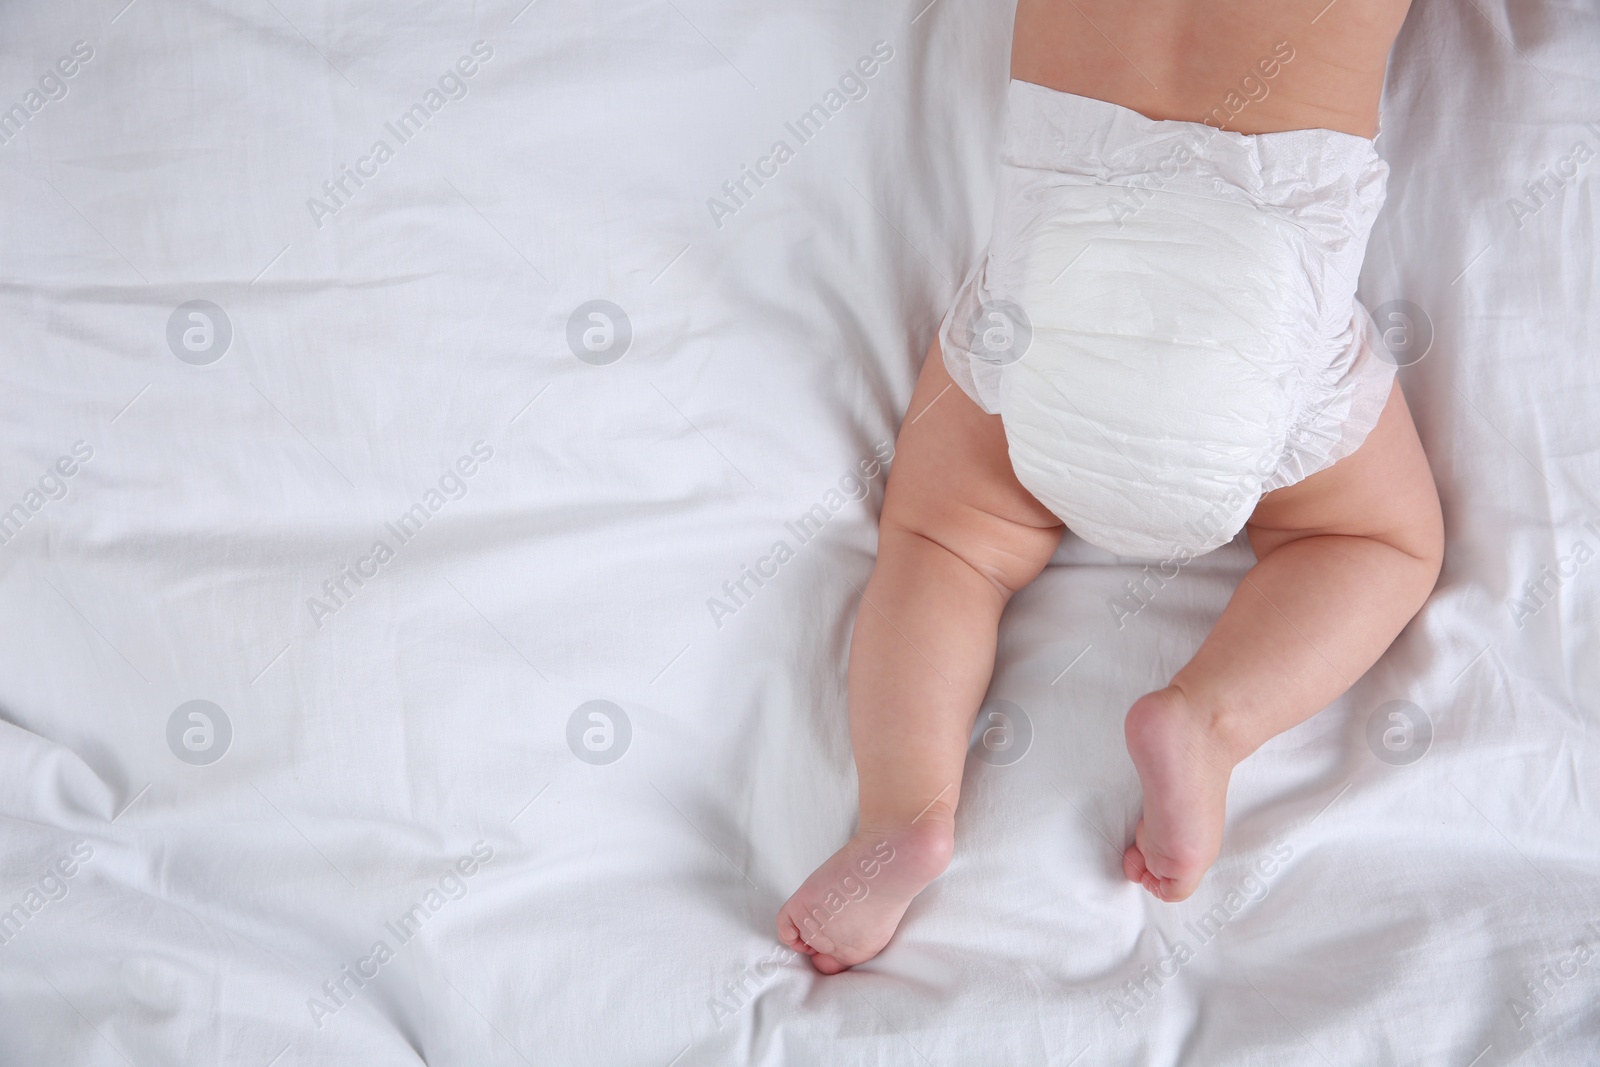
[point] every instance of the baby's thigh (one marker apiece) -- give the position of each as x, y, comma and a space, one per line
952, 483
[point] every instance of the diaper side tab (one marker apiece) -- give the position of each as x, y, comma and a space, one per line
1338, 416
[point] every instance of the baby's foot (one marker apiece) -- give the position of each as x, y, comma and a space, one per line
1184, 770
848, 909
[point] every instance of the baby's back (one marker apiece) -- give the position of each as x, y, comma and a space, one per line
1251, 66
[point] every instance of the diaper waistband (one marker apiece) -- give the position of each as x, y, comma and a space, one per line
1327, 182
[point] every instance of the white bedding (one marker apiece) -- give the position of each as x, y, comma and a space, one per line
400, 759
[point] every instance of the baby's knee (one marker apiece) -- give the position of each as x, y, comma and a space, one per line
1010, 554
1426, 546
1415, 525
1419, 552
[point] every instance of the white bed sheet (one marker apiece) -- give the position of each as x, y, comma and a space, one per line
414, 325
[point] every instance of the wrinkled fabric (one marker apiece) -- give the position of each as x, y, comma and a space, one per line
1166, 317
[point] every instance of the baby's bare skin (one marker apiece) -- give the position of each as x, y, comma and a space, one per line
1180, 59
1344, 558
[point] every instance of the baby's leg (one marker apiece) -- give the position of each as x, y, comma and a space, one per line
957, 537
1345, 559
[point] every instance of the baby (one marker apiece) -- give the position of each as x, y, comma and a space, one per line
1160, 347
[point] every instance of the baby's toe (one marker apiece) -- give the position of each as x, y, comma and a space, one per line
1133, 866
826, 964
1171, 881
789, 934
1167, 879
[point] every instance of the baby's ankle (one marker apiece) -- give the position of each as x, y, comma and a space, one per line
1215, 717
884, 815
922, 847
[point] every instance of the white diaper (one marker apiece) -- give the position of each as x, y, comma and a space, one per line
1166, 317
